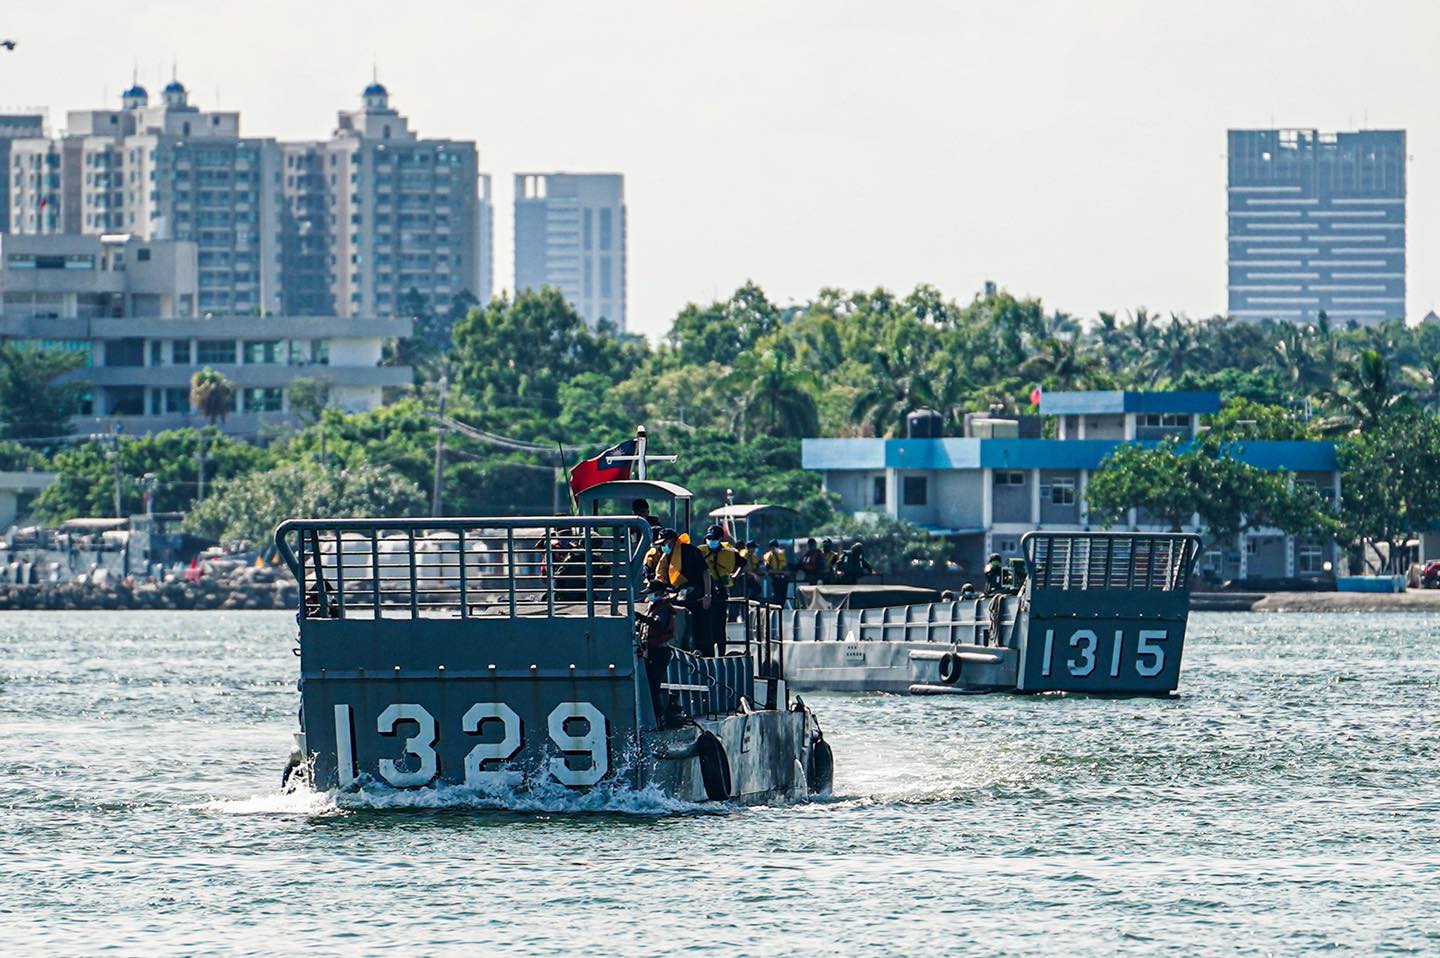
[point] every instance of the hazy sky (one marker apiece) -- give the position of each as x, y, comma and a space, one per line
1070, 150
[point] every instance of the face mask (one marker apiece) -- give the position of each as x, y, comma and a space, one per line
713, 543
665, 550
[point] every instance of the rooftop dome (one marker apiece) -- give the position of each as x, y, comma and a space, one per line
137, 91
174, 86
375, 89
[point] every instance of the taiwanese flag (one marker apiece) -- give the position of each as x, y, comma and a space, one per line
603, 468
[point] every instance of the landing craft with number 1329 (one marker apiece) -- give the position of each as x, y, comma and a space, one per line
497, 652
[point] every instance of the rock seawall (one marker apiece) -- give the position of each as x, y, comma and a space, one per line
231, 592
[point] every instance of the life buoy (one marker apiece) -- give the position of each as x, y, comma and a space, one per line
714, 767
821, 772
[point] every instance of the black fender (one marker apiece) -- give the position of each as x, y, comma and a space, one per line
714, 766
950, 667
821, 773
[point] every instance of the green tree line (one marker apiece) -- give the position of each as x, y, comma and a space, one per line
734, 384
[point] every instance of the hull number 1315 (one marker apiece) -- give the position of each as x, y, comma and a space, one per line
1082, 656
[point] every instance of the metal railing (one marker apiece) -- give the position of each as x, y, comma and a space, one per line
710, 686
461, 568
1111, 561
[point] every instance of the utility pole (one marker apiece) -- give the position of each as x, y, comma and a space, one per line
200, 465
440, 430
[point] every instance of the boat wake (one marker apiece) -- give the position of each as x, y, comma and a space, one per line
520, 797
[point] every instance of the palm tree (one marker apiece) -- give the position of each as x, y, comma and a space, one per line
1293, 355
210, 395
1365, 393
779, 399
897, 387
899, 380
1059, 362
1425, 377
1173, 350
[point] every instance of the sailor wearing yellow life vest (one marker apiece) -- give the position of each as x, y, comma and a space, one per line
724, 564
775, 564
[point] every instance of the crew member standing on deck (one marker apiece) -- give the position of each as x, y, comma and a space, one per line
832, 557
994, 574
812, 563
775, 563
723, 564
852, 566
681, 568
657, 628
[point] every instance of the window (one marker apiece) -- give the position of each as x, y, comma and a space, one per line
1006, 545
125, 352
156, 352
220, 351
1009, 477
605, 217
262, 400
177, 399
142, 255
1165, 420
320, 352
586, 229
262, 351
1309, 558
180, 352
915, 490
1060, 491
125, 401
877, 491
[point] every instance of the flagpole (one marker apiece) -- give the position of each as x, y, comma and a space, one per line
640, 451
564, 460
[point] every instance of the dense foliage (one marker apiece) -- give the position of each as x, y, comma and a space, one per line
735, 383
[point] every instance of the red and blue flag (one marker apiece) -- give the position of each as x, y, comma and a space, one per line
609, 466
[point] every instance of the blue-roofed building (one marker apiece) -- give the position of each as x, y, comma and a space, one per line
1002, 480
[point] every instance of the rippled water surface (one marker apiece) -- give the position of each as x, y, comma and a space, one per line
1287, 803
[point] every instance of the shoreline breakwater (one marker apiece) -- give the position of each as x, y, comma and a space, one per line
241, 589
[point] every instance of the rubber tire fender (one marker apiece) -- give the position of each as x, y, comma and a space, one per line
714, 766
821, 773
950, 668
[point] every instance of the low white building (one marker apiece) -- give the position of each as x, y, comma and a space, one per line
129, 306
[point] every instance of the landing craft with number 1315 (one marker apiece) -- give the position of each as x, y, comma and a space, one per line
1094, 612
496, 652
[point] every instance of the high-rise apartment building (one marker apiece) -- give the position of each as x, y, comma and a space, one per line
570, 234
14, 126
167, 171
375, 212
1316, 223
485, 243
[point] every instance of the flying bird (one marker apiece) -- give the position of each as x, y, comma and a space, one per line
7, 44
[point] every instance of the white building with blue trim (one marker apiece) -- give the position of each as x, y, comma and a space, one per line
985, 490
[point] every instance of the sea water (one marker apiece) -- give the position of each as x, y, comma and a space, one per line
1287, 802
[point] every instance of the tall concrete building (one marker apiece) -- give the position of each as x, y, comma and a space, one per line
1316, 222
14, 126
570, 234
485, 243
375, 212
167, 171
